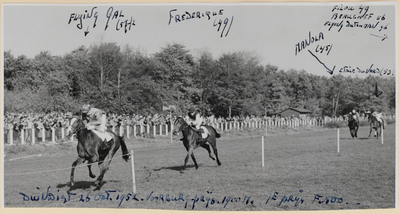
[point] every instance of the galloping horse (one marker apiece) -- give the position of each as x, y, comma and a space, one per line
353, 125
92, 149
190, 137
374, 124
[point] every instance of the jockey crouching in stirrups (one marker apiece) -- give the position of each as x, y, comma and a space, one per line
194, 119
97, 120
378, 116
355, 115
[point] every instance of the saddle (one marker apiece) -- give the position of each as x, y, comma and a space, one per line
106, 139
105, 145
203, 131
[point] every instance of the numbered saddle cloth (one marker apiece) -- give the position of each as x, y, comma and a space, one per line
205, 132
103, 135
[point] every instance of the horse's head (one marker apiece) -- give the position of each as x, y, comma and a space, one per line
179, 125
76, 125
369, 116
350, 117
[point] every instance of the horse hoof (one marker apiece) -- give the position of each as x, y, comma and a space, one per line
219, 163
92, 176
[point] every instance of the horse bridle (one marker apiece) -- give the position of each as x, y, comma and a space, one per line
76, 130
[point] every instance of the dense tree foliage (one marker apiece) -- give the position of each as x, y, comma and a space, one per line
127, 80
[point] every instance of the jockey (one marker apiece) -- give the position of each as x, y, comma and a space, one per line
354, 114
194, 118
378, 117
96, 118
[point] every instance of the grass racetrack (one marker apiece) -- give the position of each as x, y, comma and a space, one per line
303, 171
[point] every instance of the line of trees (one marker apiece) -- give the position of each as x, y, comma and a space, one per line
127, 80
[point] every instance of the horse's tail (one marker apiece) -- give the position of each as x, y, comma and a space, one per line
125, 152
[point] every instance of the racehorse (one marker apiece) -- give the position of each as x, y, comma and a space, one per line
92, 149
353, 124
374, 124
190, 137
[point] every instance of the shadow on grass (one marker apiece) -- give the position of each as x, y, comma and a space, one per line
367, 138
355, 139
84, 185
176, 168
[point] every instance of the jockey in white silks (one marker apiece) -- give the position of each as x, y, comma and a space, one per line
194, 118
378, 117
355, 114
97, 121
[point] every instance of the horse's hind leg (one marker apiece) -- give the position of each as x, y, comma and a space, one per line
214, 146
79, 160
90, 171
104, 165
207, 147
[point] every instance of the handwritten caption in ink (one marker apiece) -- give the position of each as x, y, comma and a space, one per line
88, 20
207, 200
357, 17
223, 25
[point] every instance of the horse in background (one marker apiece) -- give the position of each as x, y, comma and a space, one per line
190, 137
91, 148
374, 124
353, 124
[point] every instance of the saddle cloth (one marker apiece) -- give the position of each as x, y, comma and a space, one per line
205, 132
103, 135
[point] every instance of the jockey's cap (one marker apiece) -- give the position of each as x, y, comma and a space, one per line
191, 109
354, 111
85, 108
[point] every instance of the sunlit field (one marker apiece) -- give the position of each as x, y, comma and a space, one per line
302, 171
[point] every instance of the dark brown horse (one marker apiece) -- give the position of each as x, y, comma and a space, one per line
92, 149
353, 125
190, 137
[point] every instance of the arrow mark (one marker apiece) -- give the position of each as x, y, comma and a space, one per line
329, 70
377, 92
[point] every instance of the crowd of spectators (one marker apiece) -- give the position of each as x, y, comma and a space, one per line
18, 121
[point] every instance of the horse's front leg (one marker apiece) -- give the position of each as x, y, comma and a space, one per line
356, 131
189, 153
79, 160
194, 160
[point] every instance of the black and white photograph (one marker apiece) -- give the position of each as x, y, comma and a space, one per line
200, 106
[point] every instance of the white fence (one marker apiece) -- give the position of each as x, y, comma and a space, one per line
36, 135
